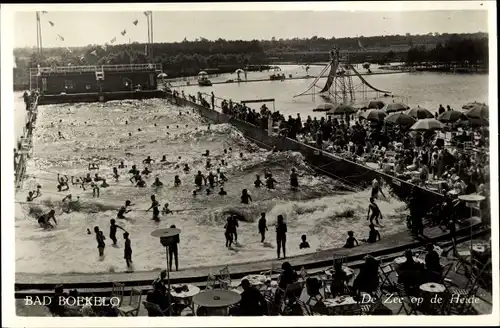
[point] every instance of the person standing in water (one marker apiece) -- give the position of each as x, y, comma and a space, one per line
375, 212
234, 227
376, 187
228, 234
99, 236
262, 227
155, 206
127, 251
294, 180
245, 197
199, 179
112, 230
258, 182
124, 210
44, 220
173, 252
281, 231
270, 181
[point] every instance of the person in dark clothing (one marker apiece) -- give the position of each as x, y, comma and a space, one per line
252, 302
127, 250
173, 252
367, 279
270, 181
410, 273
374, 210
99, 236
262, 227
258, 182
281, 231
156, 208
112, 230
288, 275
157, 296
294, 180
432, 262
124, 210
245, 197
227, 233
339, 280
234, 226
374, 234
304, 243
350, 240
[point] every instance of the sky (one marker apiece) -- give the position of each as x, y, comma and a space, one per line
80, 28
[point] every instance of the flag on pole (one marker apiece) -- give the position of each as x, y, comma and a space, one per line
361, 46
135, 22
51, 23
124, 32
113, 40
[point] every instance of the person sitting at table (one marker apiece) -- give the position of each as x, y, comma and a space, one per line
410, 273
161, 280
432, 264
367, 279
339, 280
288, 275
252, 302
157, 296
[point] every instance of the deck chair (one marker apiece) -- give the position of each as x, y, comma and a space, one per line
225, 281
384, 272
269, 296
154, 310
211, 281
304, 308
132, 309
406, 303
118, 290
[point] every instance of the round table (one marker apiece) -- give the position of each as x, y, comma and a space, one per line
432, 287
340, 304
185, 296
472, 198
428, 291
349, 272
480, 249
216, 301
256, 279
402, 259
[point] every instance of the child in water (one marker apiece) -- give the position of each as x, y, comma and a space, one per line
350, 240
127, 250
304, 243
228, 233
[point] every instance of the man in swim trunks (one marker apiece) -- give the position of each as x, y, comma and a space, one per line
258, 182
124, 210
44, 220
157, 183
262, 227
211, 180
294, 180
155, 206
135, 178
112, 230
63, 182
222, 192
376, 188
270, 181
99, 236
199, 179
115, 174
177, 181
148, 160
133, 170
31, 196
375, 212
122, 165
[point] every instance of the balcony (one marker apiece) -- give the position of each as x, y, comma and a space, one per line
101, 68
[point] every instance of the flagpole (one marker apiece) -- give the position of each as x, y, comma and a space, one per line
37, 34
149, 33
151, 46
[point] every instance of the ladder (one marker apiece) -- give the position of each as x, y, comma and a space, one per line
99, 73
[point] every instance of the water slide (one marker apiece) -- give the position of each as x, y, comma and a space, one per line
330, 77
365, 82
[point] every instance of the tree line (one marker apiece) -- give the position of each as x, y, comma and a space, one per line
189, 57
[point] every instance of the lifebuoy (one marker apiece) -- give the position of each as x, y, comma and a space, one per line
87, 87
101, 98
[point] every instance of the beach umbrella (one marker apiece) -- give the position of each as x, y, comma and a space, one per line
375, 115
376, 104
427, 124
400, 119
324, 107
451, 116
342, 110
420, 113
474, 122
202, 73
162, 75
394, 107
471, 105
479, 111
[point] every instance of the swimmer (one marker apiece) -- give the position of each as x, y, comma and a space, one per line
166, 210
38, 192
112, 230
99, 236
60, 135
115, 174
245, 197
93, 166
376, 187
63, 182
225, 151
104, 183
207, 153
294, 181
258, 182
208, 165
124, 209
97, 178
133, 170
198, 179
262, 227
211, 180
139, 129
223, 162
31, 196
241, 155
148, 160
195, 193
87, 179
221, 177
270, 181
130, 134
267, 173
186, 168
154, 206
222, 192
89, 232
177, 181
127, 250
122, 165
44, 220
375, 211
95, 190
135, 178
126, 122
146, 171
157, 183
164, 158
227, 233
140, 182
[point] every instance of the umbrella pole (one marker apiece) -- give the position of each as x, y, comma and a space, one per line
168, 284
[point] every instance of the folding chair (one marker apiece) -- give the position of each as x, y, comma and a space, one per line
154, 309
447, 282
406, 301
313, 294
118, 290
225, 278
384, 272
304, 308
132, 309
